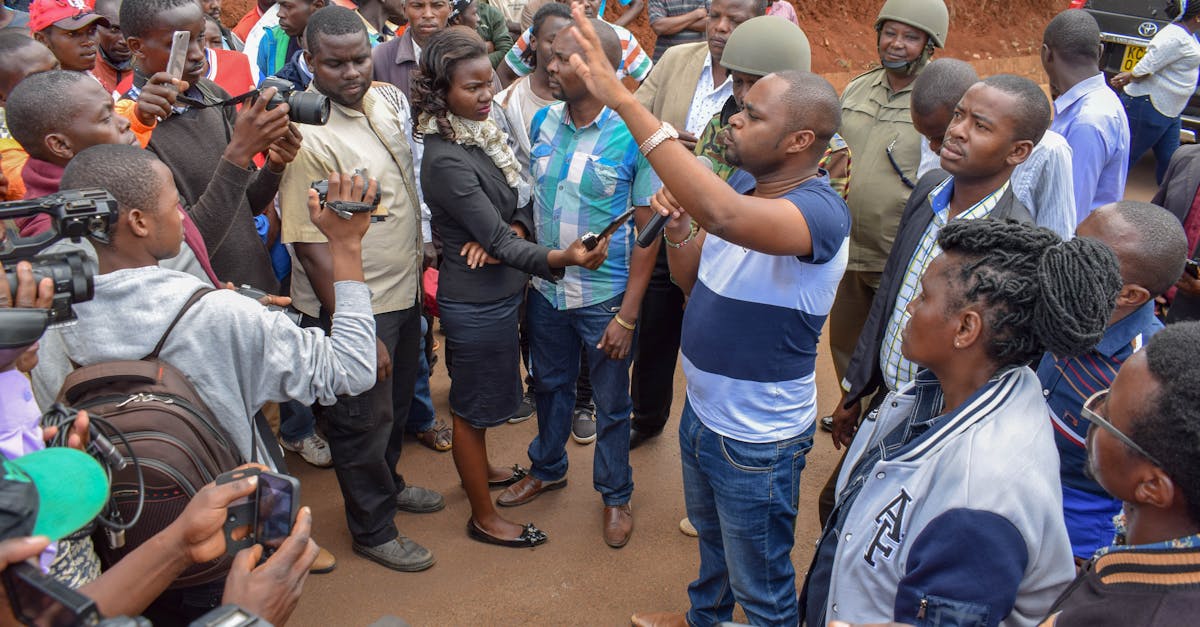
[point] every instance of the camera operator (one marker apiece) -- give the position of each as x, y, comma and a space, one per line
219, 343
211, 147
365, 131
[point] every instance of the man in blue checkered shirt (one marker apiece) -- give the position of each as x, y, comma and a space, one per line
587, 172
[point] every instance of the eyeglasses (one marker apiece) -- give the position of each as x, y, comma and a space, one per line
1091, 414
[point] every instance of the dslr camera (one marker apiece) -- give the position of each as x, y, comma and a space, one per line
73, 214
303, 107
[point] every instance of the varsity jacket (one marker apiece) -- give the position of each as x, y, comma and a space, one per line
863, 376
1133, 587
961, 525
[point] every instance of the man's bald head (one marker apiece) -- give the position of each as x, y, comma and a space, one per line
814, 104
1148, 240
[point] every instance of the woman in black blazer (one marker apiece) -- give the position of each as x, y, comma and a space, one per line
468, 176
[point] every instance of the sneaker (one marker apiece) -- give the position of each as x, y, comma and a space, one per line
827, 423
312, 449
417, 500
583, 426
399, 554
525, 410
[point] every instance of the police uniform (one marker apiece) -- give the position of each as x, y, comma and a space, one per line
874, 119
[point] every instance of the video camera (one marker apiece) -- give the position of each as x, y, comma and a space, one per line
73, 214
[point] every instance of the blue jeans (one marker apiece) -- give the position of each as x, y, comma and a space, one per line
556, 338
296, 421
742, 499
420, 414
1150, 129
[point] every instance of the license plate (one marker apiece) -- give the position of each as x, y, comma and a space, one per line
1133, 54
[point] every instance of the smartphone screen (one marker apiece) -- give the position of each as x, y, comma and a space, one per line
180, 41
273, 522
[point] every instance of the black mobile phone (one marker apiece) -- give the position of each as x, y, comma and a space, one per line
278, 504
590, 240
1192, 268
37, 599
265, 517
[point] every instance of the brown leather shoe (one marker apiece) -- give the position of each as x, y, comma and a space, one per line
658, 619
526, 490
618, 525
325, 563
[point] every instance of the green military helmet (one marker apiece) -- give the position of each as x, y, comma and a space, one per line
930, 16
766, 44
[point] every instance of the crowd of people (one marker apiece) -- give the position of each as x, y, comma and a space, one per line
1013, 340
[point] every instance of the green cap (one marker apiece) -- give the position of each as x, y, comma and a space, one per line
52, 493
766, 44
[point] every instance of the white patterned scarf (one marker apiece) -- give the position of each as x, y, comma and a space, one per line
485, 135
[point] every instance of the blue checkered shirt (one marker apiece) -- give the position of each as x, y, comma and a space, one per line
584, 178
897, 370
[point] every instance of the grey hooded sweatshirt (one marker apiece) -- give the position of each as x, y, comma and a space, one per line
236, 353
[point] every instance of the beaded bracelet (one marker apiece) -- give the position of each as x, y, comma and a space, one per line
692, 231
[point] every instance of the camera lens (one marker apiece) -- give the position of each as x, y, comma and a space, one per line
308, 108
71, 273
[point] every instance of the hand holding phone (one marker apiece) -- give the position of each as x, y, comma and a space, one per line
265, 517
591, 239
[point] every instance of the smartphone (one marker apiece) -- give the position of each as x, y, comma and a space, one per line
265, 517
278, 504
590, 240
1192, 268
180, 41
37, 599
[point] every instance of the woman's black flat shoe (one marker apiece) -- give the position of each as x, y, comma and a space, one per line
518, 473
530, 536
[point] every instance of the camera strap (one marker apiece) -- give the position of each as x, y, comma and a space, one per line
230, 102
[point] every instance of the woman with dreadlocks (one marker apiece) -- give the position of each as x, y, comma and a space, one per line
949, 503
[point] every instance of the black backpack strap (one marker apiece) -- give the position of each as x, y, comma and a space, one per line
195, 298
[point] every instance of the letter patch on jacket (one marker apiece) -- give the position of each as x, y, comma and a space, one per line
887, 534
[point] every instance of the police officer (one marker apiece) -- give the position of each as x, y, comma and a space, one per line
887, 150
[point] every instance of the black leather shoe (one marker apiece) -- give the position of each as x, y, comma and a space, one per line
530, 536
637, 437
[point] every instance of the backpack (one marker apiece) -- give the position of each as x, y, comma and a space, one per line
178, 444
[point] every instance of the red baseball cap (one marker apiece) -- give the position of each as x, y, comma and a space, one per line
65, 14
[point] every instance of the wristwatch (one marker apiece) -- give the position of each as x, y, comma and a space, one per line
664, 132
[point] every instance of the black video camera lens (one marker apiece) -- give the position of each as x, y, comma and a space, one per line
72, 275
303, 107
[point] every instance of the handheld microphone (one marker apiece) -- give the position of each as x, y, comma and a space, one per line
657, 222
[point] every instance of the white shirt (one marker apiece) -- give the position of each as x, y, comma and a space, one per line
1168, 71
707, 100
1043, 183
